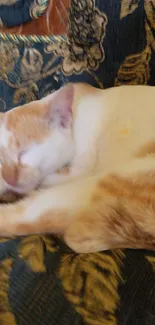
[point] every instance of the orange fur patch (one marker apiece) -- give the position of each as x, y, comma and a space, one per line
30, 118
148, 149
50, 222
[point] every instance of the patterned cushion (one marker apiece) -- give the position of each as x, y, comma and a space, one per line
17, 12
42, 282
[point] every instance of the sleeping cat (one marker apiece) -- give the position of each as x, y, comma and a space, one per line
107, 139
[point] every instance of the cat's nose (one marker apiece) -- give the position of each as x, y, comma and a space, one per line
10, 174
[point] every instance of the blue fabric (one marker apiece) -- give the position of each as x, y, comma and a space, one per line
17, 12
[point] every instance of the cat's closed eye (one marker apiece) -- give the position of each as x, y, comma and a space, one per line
21, 154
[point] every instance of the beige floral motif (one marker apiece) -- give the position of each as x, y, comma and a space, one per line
6, 316
28, 93
8, 2
4, 240
37, 8
50, 244
95, 275
149, 6
1, 23
76, 60
135, 69
9, 54
151, 260
31, 64
128, 6
84, 47
31, 249
149, 36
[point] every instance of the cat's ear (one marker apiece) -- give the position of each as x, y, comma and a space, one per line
59, 106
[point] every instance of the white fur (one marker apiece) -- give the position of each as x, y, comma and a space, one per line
52, 154
5, 135
71, 196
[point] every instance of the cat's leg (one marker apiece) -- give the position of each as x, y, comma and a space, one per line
97, 213
72, 175
49, 210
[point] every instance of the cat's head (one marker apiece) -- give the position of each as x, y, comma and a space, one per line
36, 140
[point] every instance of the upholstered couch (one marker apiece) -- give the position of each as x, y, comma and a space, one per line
108, 43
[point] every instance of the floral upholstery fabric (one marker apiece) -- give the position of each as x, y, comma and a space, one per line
42, 282
17, 12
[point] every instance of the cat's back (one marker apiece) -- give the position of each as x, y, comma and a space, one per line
119, 121
122, 119
122, 101
130, 124
127, 98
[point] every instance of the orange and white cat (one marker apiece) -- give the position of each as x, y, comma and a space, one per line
107, 140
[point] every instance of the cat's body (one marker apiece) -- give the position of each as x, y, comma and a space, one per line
107, 138
110, 127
